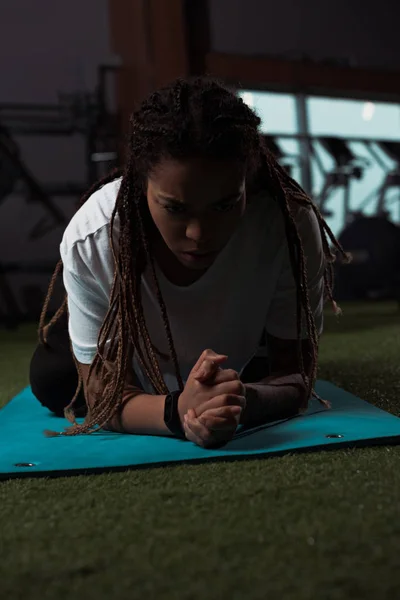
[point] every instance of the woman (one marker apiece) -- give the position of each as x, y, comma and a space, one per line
202, 242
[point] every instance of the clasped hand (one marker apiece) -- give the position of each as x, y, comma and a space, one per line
212, 402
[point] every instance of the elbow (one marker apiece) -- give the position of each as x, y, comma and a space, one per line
114, 424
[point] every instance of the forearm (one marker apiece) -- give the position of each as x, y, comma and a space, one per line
272, 399
142, 414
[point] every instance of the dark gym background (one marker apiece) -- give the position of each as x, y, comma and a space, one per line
297, 527
71, 73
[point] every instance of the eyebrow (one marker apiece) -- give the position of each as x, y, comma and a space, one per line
178, 202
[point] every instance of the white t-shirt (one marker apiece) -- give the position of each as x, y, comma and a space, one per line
248, 289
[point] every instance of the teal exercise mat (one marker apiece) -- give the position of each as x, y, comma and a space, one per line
25, 451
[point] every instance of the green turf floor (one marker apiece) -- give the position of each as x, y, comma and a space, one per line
322, 526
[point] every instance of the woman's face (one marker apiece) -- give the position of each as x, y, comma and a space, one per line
196, 205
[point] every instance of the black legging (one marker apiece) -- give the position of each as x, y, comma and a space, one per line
54, 378
53, 374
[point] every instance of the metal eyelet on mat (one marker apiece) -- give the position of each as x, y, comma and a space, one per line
24, 465
334, 435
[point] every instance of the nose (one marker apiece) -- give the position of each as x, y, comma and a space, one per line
196, 231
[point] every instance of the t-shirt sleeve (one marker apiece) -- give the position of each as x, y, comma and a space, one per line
281, 319
87, 302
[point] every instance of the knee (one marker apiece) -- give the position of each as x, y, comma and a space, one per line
52, 380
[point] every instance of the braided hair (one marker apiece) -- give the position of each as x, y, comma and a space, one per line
190, 118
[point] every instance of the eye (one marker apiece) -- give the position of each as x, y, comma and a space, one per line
227, 206
174, 210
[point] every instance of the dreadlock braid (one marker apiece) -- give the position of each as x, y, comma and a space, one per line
163, 312
287, 190
299, 268
194, 118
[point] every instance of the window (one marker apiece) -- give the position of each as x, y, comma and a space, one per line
353, 118
278, 116
365, 121
361, 123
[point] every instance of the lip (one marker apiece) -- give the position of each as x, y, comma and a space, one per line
199, 256
198, 253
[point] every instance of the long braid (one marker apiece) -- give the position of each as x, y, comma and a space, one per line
151, 364
43, 328
300, 196
162, 307
199, 117
299, 270
109, 401
286, 190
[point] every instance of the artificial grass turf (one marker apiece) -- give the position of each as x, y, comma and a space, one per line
323, 524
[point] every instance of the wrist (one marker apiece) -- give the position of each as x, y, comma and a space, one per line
250, 394
173, 417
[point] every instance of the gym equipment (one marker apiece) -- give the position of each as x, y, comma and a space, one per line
347, 167
288, 161
26, 452
11, 315
392, 179
87, 114
380, 195
374, 272
13, 171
